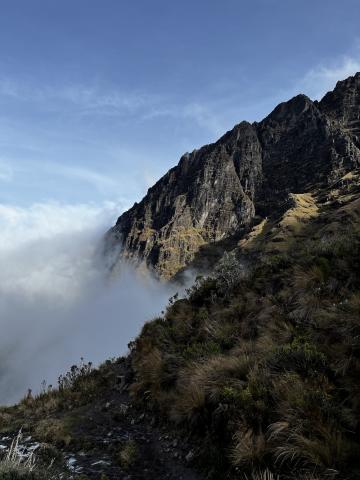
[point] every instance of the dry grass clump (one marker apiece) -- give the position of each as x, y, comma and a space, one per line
156, 373
200, 383
128, 454
310, 431
14, 459
323, 446
75, 387
15, 465
190, 403
150, 366
5, 419
262, 475
249, 448
54, 431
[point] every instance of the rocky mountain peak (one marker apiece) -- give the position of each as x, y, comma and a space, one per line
343, 105
288, 112
215, 193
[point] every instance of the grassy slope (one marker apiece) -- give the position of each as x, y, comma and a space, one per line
263, 366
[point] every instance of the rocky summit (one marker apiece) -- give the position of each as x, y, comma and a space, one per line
223, 190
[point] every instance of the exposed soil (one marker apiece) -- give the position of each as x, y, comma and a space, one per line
107, 425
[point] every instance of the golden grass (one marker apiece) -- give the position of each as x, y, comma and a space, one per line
249, 448
54, 431
256, 234
128, 454
200, 381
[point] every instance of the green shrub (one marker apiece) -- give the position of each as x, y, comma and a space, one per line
299, 356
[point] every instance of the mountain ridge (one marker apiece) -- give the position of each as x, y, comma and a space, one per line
216, 191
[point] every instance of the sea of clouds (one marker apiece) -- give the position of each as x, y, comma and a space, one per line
57, 302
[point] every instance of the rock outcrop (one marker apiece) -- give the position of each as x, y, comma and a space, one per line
216, 192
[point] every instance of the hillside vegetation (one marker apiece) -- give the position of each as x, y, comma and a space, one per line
260, 363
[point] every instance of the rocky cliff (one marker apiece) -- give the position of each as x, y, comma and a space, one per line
221, 190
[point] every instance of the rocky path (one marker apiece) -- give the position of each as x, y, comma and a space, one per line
123, 443
113, 440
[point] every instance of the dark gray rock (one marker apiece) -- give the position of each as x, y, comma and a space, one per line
216, 192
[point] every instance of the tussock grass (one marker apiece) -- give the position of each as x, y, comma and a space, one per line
262, 475
53, 430
17, 466
249, 448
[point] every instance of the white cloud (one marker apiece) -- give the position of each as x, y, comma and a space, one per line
56, 301
100, 181
201, 113
89, 98
323, 78
103, 183
204, 117
42, 221
94, 100
116, 100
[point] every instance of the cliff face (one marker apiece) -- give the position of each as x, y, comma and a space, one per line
342, 106
210, 194
216, 192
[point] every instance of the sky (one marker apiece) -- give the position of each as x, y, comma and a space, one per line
99, 98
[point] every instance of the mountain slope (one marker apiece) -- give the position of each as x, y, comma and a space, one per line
223, 189
260, 362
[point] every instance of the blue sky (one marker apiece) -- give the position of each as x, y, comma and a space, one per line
98, 98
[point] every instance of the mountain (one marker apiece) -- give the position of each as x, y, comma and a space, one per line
218, 193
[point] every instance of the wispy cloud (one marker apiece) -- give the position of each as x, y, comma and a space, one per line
211, 113
94, 100
323, 78
100, 181
201, 113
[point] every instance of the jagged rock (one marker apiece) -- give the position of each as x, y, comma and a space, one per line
216, 192
342, 104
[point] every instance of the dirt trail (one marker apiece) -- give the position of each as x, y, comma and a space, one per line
107, 425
